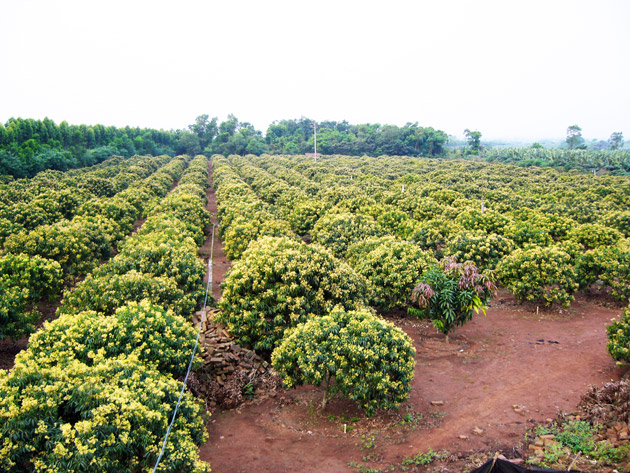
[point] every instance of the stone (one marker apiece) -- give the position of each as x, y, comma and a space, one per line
477, 431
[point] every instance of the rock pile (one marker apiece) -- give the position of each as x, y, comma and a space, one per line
221, 355
230, 372
616, 435
545, 444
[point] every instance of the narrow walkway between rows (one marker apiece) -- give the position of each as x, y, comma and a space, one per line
221, 263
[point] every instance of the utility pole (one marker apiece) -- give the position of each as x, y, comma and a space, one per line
315, 138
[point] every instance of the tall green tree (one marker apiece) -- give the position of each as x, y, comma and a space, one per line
616, 140
205, 129
474, 140
188, 144
574, 137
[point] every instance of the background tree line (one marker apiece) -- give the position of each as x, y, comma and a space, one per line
296, 137
28, 146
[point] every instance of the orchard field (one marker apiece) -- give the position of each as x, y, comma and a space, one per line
328, 270
571, 227
312, 240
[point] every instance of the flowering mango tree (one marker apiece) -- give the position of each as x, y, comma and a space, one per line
450, 293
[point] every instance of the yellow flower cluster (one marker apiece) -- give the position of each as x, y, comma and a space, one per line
96, 393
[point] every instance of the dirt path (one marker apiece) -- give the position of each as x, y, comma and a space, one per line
221, 265
501, 374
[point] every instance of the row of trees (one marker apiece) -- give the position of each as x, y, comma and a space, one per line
541, 233
308, 310
576, 141
96, 388
29, 146
296, 137
52, 238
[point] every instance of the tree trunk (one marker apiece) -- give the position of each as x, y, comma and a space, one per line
326, 384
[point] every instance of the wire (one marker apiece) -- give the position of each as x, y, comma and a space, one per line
192, 357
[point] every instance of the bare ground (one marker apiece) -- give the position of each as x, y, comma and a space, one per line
500, 375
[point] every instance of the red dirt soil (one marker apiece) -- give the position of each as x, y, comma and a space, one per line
220, 264
501, 373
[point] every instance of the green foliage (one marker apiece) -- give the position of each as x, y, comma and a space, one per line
594, 235
372, 139
574, 136
392, 268
85, 395
338, 231
421, 209
585, 160
433, 234
279, 283
619, 220
242, 231
77, 245
544, 275
117, 209
616, 140
15, 321
304, 215
28, 215
8, 228
578, 436
615, 271
611, 455
141, 199
371, 360
29, 146
109, 416
474, 140
98, 186
107, 292
619, 338
489, 221
398, 223
42, 278
157, 255
531, 226
485, 250
187, 207
157, 337
592, 265
173, 227
424, 458
450, 293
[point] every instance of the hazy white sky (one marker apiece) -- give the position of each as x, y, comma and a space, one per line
511, 69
